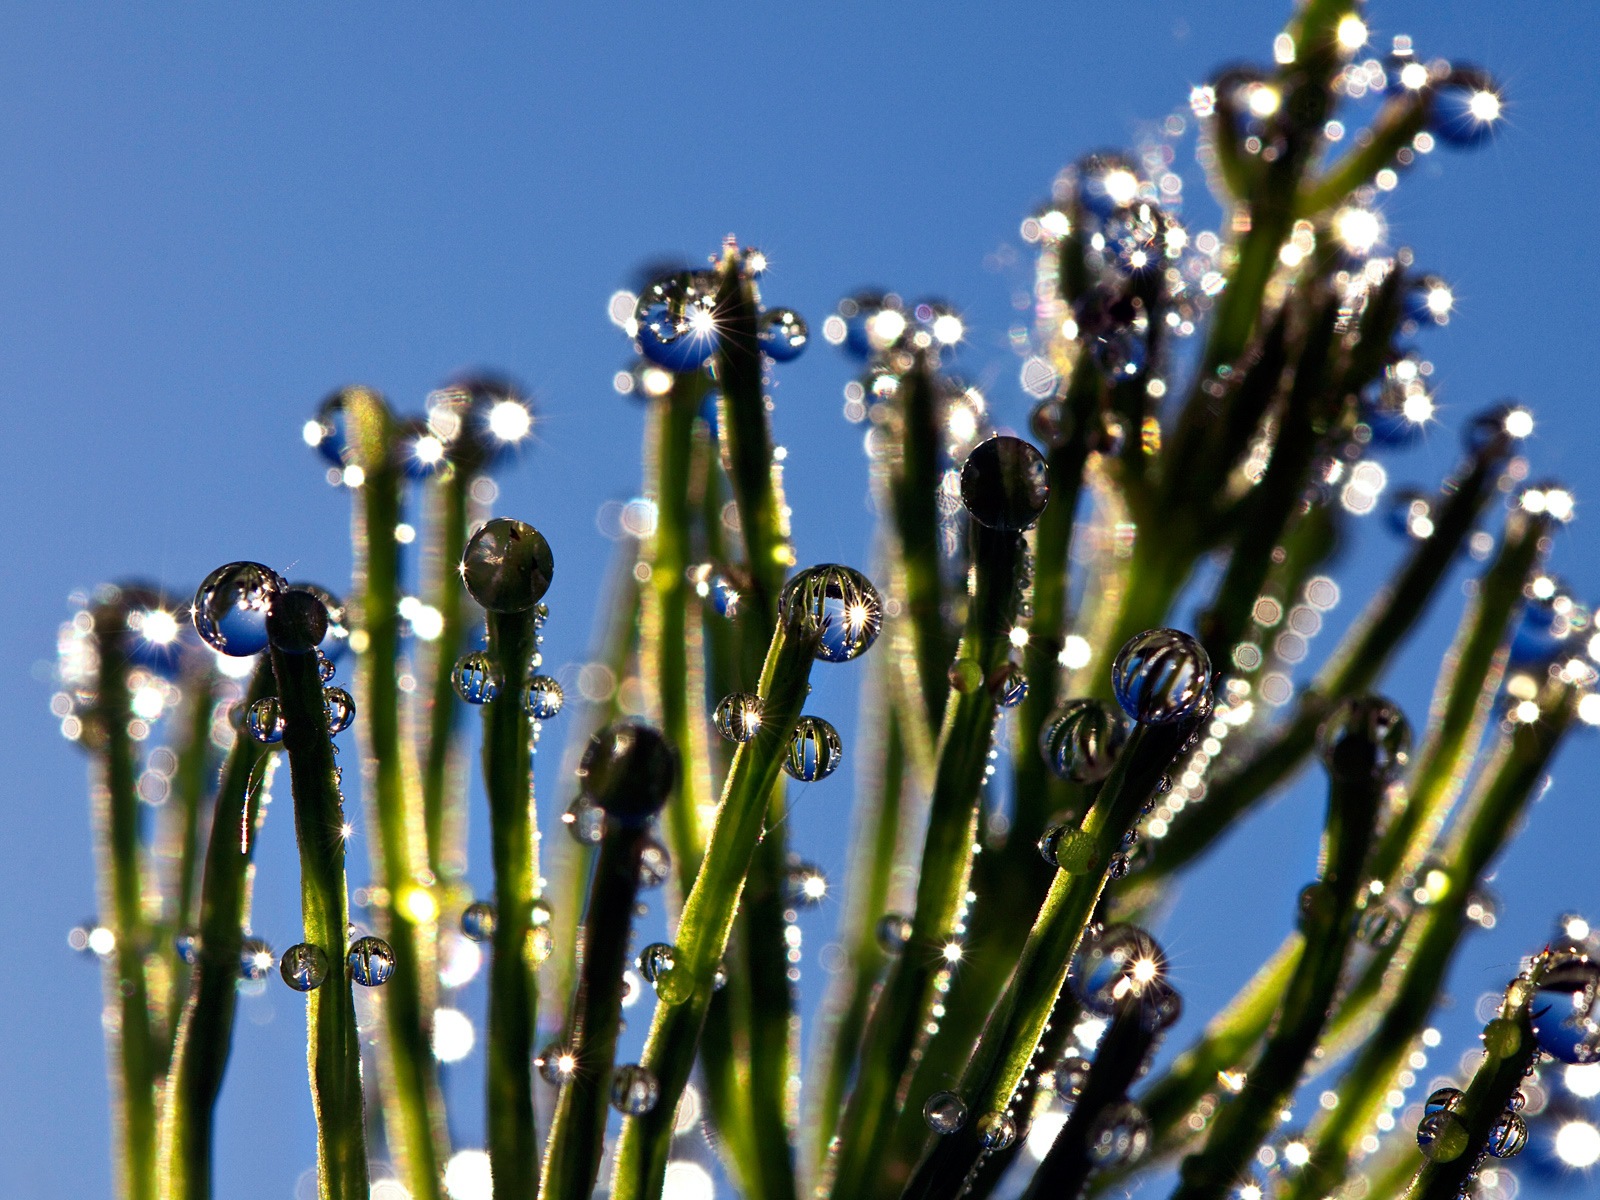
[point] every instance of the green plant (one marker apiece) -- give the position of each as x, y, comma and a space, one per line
1023, 602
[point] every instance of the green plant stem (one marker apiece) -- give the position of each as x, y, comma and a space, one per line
333, 1047
448, 498
1492, 813
412, 1105
120, 874
190, 789
1007, 1049
514, 848
1360, 659
1243, 1123
708, 913
594, 1017
901, 1011
204, 1029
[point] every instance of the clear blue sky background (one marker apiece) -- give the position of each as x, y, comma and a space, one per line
211, 220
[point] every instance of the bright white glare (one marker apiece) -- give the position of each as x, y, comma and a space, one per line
388, 1189
688, 1181
102, 941
1440, 300
1589, 709
1519, 423
1484, 106
312, 432
952, 952
467, 1176
159, 627
1576, 928
885, 327
1055, 223
1358, 229
459, 962
1297, 1154
1264, 100
1526, 712
963, 422
1043, 1134
655, 381
453, 1035
1582, 1080
1578, 1144
510, 421
235, 668
620, 308
948, 329
1413, 76
1417, 408
427, 622
1352, 32
1075, 652
428, 449
1121, 185
148, 702
1019, 637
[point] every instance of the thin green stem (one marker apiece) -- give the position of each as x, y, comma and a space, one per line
189, 790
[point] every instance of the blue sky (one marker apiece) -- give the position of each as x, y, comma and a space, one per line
213, 220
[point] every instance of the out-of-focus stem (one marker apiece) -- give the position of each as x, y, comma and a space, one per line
189, 791
204, 1033
412, 1105
514, 849
333, 1048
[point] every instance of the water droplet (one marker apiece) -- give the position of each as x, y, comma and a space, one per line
841, 605
1383, 923
783, 334
539, 945
1161, 676
556, 1064
325, 668
1124, 964
478, 920
805, 885
265, 720
655, 960
634, 1090
1441, 1136
231, 606
188, 947
1464, 110
893, 932
507, 566
738, 716
1411, 514
1315, 905
1442, 1099
1071, 1073
585, 821
1509, 1136
1366, 737
629, 770
341, 708
255, 959
304, 967
1081, 740
324, 433
658, 963
1005, 484
965, 675
872, 322
996, 1130
476, 678
814, 750
1010, 686
655, 864
1067, 847
474, 421
677, 320
1565, 1008
719, 977
1119, 1135
544, 698
945, 1112
297, 621
371, 961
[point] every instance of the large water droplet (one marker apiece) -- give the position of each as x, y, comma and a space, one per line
840, 605
231, 607
264, 721
1005, 484
341, 708
1366, 737
945, 1112
478, 921
556, 1064
255, 959
371, 961
1067, 847
507, 565
1071, 1073
738, 716
893, 932
783, 334
1082, 739
1161, 676
1121, 1134
628, 769
304, 967
544, 698
476, 678
1443, 1098
996, 1130
1566, 1008
814, 750
585, 821
1441, 1136
677, 320
1126, 963
658, 963
474, 421
634, 1090
1464, 110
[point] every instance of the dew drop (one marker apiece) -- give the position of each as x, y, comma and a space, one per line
476, 678
840, 605
1010, 686
996, 1130
944, 1112
325, 668
1161, 676
1566, 1006
1441, 1136
783, 334
188, 947
965, 675
655, 865
1366, 738
676, 319
255, 959
634, 1090
628, 769
1126, 963
814, 750
1509, 1136
304, 967
478, 921
805, 885
738, 716
231, 606
1005, 484
585, 821
1081, 740
658, 963
556, 1064
371, 961
655, 960
893, 932
1443, 1099
265, 720
1071, 1073
341, 708
507, 565
324, 433
1121, 1134
544, 698
1383, 923
1067, 847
